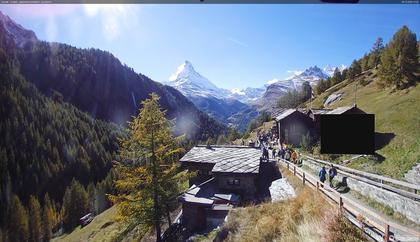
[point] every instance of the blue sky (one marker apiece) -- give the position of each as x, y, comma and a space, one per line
234, 46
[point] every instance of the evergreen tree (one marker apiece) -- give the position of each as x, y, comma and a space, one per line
91, 190
399, 61
75, 205
306, 91
375, 55
47, 218
354, 70
35, 225
148, 174
18, 227
222, 140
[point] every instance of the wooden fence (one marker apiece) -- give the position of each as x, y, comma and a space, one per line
380, 224
402, 188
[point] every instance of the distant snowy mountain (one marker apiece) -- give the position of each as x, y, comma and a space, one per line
247, 95
190, 83
227, 106
276, 87
329, 70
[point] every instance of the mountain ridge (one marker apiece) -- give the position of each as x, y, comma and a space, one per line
96, 82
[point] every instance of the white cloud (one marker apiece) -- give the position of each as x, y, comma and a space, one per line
272, 81
237, 42
114, 17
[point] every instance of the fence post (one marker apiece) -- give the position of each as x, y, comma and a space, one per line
294, 170
317, 186
303, 178
340, 202
386, 235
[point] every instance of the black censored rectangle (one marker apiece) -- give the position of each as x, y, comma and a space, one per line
348, 134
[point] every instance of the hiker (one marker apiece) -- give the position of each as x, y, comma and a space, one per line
332, 172
281, 153
274, 153
294, 157
265, 153
287, 155
322, 175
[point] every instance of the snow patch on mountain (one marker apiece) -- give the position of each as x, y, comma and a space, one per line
191, 83
187, 80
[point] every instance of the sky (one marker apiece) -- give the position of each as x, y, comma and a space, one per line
234, 46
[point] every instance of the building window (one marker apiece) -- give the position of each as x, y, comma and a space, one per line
234, 181
204, 172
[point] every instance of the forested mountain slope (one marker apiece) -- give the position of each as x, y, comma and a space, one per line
45, 143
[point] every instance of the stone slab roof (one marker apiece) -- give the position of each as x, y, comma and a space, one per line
227, 159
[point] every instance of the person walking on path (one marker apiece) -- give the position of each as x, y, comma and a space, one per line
265, 153
274, 153
294, 157
332, 172
322, 175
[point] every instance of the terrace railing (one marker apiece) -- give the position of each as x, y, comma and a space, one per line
402, 188
372, 223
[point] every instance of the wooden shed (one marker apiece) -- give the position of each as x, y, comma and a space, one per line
292, 124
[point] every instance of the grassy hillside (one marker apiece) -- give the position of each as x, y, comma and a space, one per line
307, 217
103, 228
397, 121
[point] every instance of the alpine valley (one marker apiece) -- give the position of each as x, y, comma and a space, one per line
237, 107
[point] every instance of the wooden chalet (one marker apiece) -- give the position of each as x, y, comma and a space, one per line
226, 176
292, 124
347, 110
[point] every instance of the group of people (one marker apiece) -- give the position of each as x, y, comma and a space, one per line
332, 172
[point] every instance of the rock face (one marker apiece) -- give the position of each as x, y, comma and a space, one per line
413, 175
333, 98
281, 189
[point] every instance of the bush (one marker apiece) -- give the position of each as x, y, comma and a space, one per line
338, 229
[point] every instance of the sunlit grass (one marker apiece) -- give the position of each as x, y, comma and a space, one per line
307, 217
395, 113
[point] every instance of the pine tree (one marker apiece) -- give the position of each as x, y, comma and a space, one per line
47, 218
75, 205
91, 190
148, 174
35, 226
375, 55
399, 61
18, 227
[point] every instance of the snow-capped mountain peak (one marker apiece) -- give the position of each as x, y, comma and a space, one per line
329, 70
187, 80
190, 83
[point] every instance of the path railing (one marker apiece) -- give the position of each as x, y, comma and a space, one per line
402, 188
378, 224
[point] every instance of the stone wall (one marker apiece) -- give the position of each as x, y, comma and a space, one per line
406, 206
247, 188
